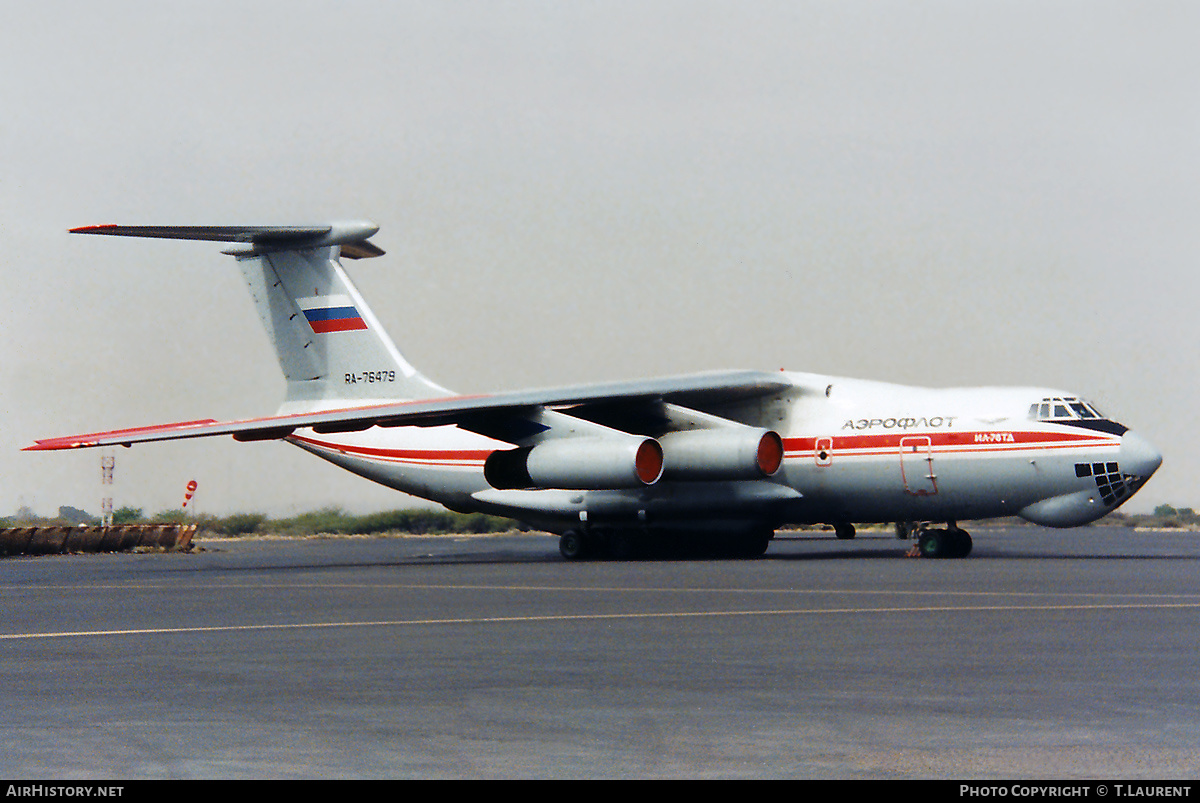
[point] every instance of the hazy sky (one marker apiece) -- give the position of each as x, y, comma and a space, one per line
937, 193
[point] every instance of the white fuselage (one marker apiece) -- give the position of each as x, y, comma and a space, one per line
855, 451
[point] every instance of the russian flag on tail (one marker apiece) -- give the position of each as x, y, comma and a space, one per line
331, 314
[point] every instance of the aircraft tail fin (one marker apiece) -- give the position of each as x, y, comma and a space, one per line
331, 348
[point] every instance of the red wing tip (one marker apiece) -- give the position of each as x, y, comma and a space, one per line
51, 445
86, 229
114, 437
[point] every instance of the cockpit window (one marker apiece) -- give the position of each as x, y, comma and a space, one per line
1082, 410
1059, 408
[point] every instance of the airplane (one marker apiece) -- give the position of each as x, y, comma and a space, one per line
651, 467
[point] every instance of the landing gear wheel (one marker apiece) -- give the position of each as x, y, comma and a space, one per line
756, 544
960, 543
932, 544
844, 531
952, 543
573, 545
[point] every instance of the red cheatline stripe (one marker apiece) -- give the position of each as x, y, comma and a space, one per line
424, 455
973, 440
857, 445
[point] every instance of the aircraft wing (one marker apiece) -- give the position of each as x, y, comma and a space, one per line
694, 390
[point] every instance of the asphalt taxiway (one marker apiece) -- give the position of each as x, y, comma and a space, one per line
1046, 654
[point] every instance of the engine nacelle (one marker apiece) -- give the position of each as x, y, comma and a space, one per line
723, 453
584, 464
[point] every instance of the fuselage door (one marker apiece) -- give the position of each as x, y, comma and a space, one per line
916, 465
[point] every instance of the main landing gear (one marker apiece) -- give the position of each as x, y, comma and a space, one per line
948, 543
573, 546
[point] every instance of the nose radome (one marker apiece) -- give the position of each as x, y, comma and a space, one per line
1138, 456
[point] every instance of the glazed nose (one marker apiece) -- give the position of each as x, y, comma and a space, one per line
1139, 457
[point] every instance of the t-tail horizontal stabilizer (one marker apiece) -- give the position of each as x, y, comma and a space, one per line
352, 236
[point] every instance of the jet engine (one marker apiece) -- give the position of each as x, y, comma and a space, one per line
724, 453
577, 464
